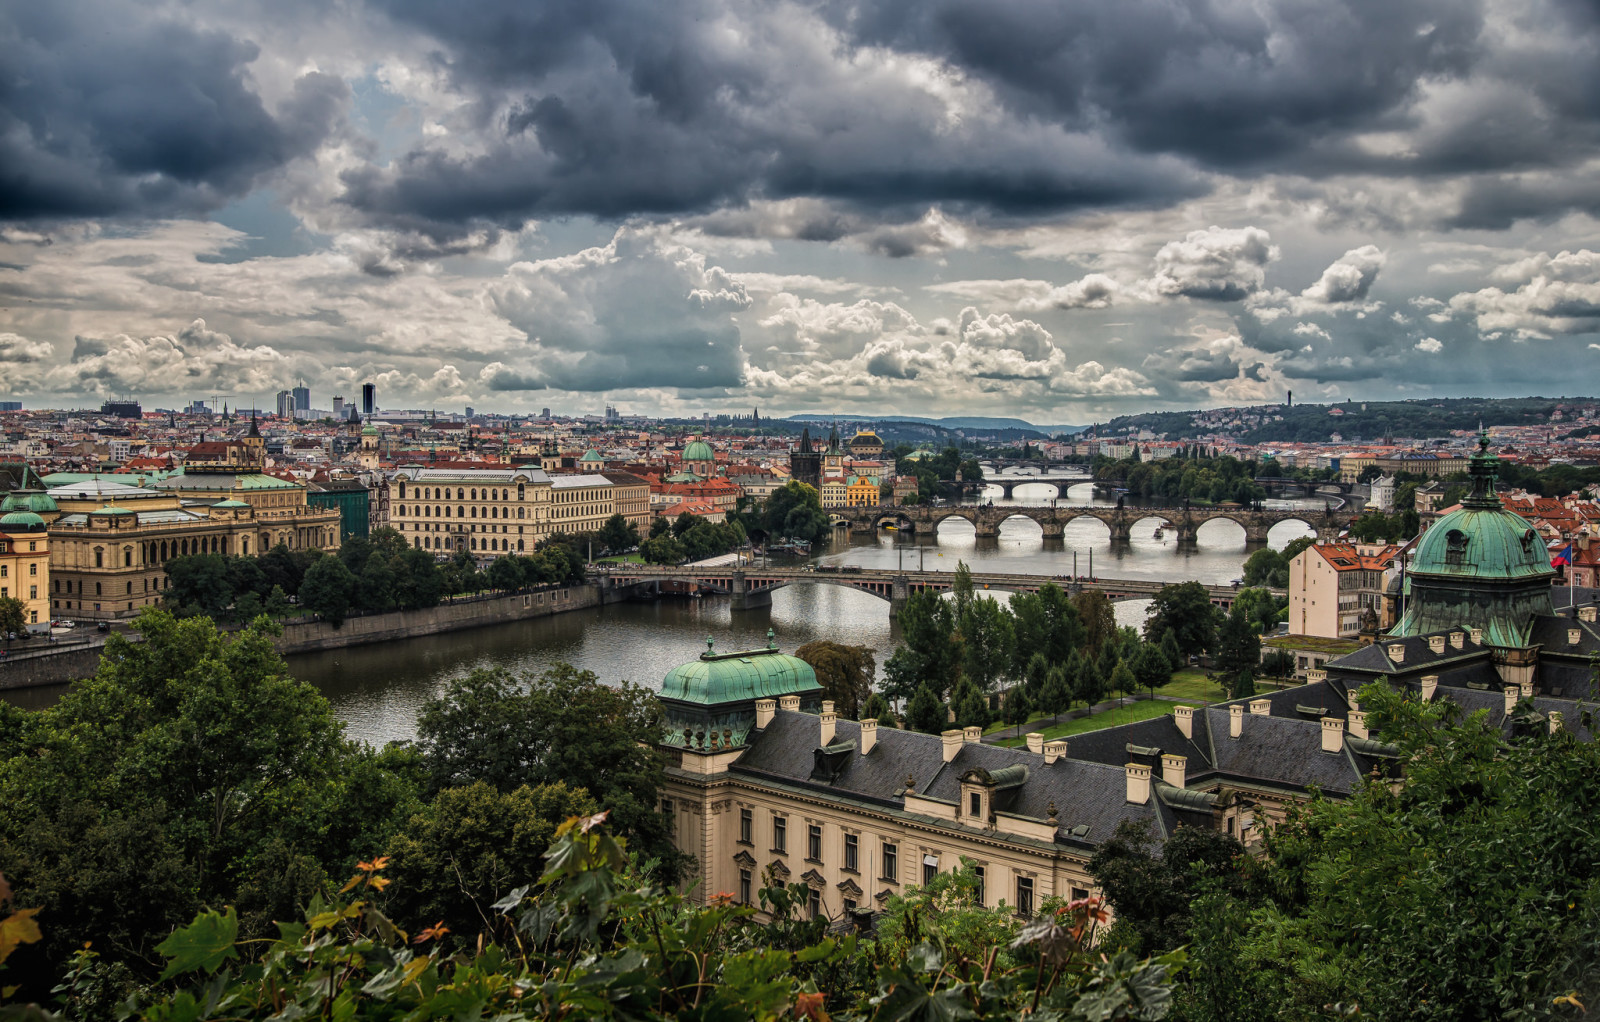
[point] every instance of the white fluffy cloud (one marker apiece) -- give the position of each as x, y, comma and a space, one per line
1219, 264
1430, 345
1349, 278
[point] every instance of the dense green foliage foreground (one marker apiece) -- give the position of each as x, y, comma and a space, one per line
176, 832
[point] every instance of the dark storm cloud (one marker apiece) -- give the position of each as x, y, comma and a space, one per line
105, 110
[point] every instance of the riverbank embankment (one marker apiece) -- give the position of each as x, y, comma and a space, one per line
55, 667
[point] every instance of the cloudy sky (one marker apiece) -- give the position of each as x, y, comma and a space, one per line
1054, 209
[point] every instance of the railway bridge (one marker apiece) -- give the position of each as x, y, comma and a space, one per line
1185, 522
753, 587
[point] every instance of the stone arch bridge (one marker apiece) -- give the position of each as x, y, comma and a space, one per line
1186, 522
752, 587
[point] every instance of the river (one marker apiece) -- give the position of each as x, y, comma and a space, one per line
377, 690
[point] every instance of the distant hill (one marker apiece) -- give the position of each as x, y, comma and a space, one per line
1357, 421
961, 422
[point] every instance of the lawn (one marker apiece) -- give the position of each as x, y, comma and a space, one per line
1144, 709
621, 559
1192, 683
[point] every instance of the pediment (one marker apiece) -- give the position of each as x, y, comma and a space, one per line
745, 859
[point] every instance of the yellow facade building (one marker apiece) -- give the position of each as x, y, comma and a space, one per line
25, 563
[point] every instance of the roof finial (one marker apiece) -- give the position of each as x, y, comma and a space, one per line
772, 639
710, 646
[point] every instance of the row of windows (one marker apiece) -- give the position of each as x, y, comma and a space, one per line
33, 592
65, 586
443, 492
443, 511
33, 570
33, 545
888, 862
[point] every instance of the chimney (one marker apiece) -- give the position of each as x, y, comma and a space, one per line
1054, 751
1586, 613
1184, 715
1235, 720
1436, 644
1174, 769
830, 721
1527, 688
971, 735
765, 710
952, 744
1430, 684
1358, 723
1574, 636
1138, 783
1513, 696
1397, 652
1458, 640
789, 704
1261, 707
1477, 636
1035, 742
1555, 721
1332, 734
869, 734
827, 706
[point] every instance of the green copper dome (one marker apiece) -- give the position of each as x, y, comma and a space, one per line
591, 455
699, 450
38, 503
22, 521
735, 677
1481, 566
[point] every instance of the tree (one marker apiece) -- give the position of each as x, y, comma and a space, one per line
661, 550
1153, 892
929, 655
377, 586
844, 672
926, 712
971, 706
1045, 623
1277, 663
1091, 686
199, 584
1186, 609
987, 641
277, 604
878, 708
1123, 682
683, 523
13, 616
329, 590
1170, 650
619, 534
562, 726
660, 526
1017, 708
1238, 643
1055, 697
506, 573
1243, 686
1295, 546
1098, 617
1266, 567
1150, 667
471, 846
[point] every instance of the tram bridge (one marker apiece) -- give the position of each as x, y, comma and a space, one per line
752, 587
1184, 521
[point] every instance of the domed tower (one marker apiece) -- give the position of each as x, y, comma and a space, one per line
1481, 566
710, 703
698, 459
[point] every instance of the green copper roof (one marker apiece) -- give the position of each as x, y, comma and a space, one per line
698, 451
111, 509
29, 521
230, 503
591, 455
39, 503
1479, 543
738, 677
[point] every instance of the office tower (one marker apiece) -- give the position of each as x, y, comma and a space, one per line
338, 406
302, 397
369, 399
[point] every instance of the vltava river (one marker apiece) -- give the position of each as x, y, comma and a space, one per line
379, 689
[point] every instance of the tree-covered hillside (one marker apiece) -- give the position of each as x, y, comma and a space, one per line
1354, 420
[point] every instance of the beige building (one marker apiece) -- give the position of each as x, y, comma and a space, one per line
493, 511
1332, 585
766, 784
25, 564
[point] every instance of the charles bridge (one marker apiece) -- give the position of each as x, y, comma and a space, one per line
1184, 521
752, 587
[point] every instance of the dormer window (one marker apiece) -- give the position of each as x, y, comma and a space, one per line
1455, 549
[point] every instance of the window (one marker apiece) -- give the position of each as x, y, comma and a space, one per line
977, 871
780, 833
814, 903
33, 592
851, 852
33, 570
814, 843
976, 802
744, 887
1079, 893
745, 826
849, 906
891, 862
930, 868
1024, 896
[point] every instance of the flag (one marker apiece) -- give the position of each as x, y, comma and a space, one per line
1562, 558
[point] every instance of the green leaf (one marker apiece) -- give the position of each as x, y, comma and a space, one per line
816, 952
204, 944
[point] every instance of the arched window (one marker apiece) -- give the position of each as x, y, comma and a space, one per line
461, 494
99, 558
521, 490
163, 550
127, 557
519, 544
474, 512
402, 489
461, 512
520, 512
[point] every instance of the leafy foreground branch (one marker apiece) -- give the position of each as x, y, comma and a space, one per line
593, 939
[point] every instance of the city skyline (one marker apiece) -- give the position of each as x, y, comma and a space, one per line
1054, 212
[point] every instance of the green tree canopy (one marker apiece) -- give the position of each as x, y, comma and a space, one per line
1186, 609
844, 672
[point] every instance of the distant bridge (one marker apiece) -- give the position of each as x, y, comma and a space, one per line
1058, 482
1040, 463
1186, 522
752, 587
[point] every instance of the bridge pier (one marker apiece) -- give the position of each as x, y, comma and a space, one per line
1121, 531
743, 598
899, 595
1188, 535
986, 529
1255, 533
1051, 528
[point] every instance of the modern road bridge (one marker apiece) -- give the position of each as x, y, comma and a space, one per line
752, 587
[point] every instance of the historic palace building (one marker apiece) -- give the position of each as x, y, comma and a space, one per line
766, 783
25, 558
